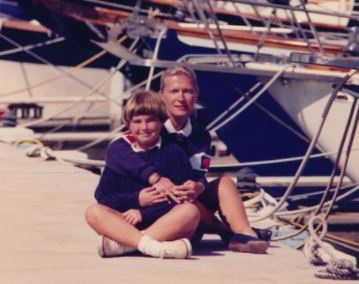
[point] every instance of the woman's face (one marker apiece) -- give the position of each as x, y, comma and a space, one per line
179, 95
146, 130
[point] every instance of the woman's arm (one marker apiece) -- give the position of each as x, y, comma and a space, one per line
200, 163
197, 147
179, 171
199, 157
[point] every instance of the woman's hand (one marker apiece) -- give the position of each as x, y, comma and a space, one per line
133, 216
150, 196
165, 185
189, 191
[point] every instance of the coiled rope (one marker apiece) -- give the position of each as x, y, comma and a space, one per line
336, 268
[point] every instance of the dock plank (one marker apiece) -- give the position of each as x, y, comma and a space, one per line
44, 238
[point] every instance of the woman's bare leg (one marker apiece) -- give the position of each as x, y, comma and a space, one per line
231, 207
225, 197
209, 223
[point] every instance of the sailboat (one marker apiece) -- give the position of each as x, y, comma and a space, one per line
306, 48
50, 80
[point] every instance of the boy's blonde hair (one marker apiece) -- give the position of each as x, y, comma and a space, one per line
144, 103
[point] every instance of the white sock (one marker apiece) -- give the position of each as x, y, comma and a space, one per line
150, 246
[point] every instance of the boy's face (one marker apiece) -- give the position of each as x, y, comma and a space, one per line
146, 130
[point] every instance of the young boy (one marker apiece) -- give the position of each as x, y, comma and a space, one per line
144, 114
140, 204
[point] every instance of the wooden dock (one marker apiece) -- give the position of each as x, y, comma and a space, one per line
44, 238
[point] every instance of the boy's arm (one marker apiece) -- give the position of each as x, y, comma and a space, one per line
115, 199
123, 160
107, 192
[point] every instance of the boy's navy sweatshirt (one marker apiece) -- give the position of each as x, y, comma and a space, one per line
196, 147
120, 191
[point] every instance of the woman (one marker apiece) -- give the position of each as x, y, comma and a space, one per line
180, 92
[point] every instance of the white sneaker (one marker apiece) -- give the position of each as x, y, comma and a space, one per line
180, 248
108, 247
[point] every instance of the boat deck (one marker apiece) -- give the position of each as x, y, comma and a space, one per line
45, 239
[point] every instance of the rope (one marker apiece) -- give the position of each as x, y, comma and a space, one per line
57, 77
340, 270
330, 204
75, 120
347, 152
35, 148
245, 95
43, 60
213, 17
342, 142
92, 91
282, 160
204, 19
312, 27
125, 7
99, 140
310, 148
31, 46
63, 73
29, 141
97, 87
337, 268
245, 106
314, 241
327, 203
343, 242
155, 55
235, 104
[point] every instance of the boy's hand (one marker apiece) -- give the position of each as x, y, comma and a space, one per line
133, 216
150, 196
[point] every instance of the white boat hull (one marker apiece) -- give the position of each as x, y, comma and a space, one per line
305, 101
70, 99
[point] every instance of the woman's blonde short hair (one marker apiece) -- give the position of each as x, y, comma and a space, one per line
177, 71
144, 103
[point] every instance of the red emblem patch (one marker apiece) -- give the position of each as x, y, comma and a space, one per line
205, 162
